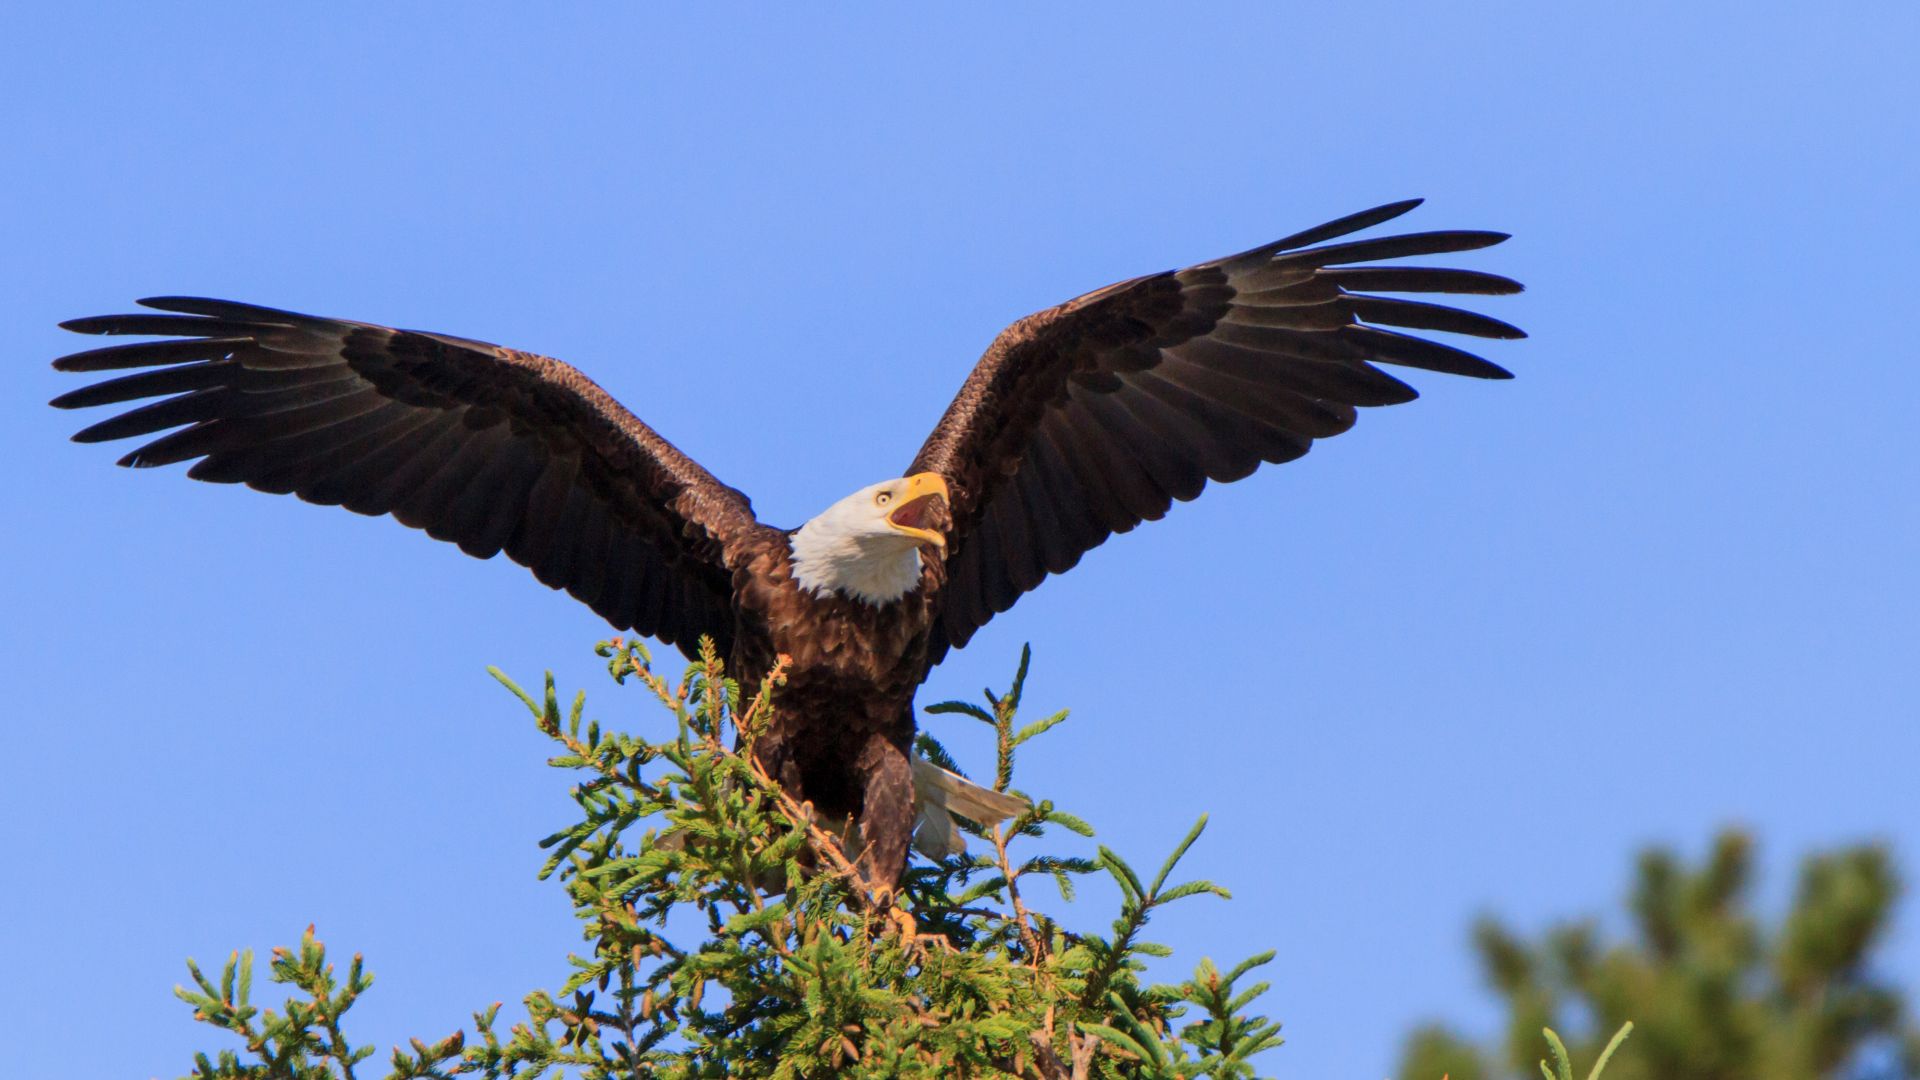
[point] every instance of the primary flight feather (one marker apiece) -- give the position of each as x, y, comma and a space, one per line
1079, 422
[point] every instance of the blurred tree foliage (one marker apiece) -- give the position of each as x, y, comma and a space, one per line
1715, 994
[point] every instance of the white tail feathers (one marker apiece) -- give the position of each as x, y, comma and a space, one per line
939, 796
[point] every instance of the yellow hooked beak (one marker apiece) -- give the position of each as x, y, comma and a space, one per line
913, 504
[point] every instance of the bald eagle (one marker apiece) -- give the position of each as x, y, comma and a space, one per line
1079, 422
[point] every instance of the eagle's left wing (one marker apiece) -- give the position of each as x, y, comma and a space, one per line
1086, 419
490, 448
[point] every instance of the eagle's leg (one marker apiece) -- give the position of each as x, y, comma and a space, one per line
774, 751
886, 806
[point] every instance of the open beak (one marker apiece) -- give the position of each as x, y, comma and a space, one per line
922, 509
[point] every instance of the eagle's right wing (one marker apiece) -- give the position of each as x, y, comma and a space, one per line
486, 447
1086, 419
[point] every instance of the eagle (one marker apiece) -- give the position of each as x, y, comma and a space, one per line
1079, 422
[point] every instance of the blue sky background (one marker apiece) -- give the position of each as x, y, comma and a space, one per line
1467, 658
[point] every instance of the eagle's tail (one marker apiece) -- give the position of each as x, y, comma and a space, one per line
939, 796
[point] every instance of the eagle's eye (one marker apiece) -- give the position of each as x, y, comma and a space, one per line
883, 498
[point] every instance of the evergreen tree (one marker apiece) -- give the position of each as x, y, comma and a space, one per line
1715, 994
794, 968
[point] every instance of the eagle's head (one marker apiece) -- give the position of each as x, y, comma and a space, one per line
867, 545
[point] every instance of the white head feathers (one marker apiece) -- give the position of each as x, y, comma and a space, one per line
867, 545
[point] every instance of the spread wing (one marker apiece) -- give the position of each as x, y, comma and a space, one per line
1084, 420
489, 448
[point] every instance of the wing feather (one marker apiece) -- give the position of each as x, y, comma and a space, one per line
1069, 522
1417, 315
533, 531
589, 581
168, 380
329, 458
1106, 508
1020, 571
1419, 279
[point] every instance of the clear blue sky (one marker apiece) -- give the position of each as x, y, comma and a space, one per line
1468, 657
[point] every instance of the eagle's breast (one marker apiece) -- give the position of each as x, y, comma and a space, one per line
847, 657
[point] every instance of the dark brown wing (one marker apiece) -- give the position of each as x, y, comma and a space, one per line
492, 449
1089, 418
